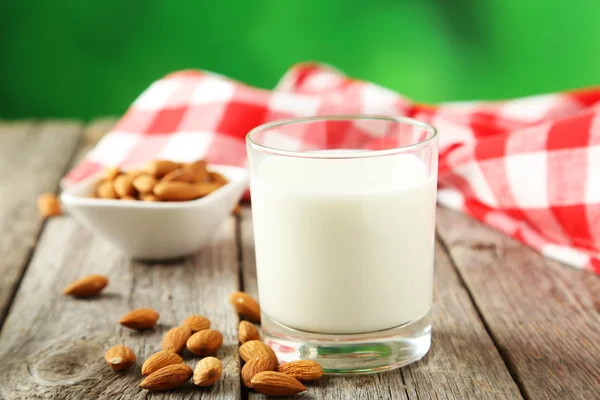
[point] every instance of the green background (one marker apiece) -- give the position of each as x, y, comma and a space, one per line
78, 58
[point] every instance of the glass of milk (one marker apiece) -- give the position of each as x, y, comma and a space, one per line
344, 223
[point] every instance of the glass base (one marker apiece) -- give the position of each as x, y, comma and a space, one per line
364, 353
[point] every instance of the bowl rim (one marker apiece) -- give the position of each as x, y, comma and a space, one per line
69, 198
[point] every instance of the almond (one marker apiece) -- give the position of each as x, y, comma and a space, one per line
206, 188
217, 179
178, 175
160, 168
149, 197
256, 348
131, 198
111, 173
196, 323
106, 190
254, 366
176, 338
237, 209
49, 205
207, 372
160, 360
169, 377
177, 191
120, 358
247, 331
140, 319
134, 173
123, 185
197, 170
206, 342
144, 183
245, 306
276, 384
88, 286
303, 370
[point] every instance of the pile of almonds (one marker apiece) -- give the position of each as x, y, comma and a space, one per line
161, 180
166, 369
262, 371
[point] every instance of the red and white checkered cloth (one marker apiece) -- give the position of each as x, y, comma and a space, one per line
529, 167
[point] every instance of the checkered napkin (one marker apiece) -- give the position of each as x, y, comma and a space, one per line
529, 167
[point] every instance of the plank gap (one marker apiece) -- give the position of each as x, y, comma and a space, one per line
244, 391
402, 372
238, 242
505, 358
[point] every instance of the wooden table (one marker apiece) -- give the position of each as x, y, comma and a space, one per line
508, 323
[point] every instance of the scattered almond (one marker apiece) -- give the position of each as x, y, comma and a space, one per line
247, 331
160, 168
254, 366
245, 306
160, 360
120, 358
106, 190
88, 286
178, 191
123, 185
237, 209
169, 377
176, 338
196, 323
128, 198
144, 183
140, 319
276, 384
207, 372
49, 205
205, 342
303, 370
111, 173
256, 348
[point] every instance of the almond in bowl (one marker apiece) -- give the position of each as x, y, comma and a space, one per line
164, 180
163, 210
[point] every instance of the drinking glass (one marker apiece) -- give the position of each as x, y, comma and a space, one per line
344, 223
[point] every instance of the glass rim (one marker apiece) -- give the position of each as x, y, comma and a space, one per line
341, 117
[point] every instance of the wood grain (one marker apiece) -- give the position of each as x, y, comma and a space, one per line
52, 345
33, 157
462, 363
543, 316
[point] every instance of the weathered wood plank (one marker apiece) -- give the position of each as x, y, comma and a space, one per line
462, 363
543, 316
52, 346
33, 157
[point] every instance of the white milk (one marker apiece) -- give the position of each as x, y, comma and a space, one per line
344, 245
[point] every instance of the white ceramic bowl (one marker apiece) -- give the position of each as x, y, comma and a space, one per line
160, 230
